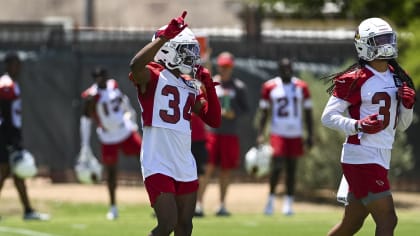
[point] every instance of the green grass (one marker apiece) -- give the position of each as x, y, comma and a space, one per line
89, 220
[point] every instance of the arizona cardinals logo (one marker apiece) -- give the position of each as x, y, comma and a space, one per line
357, 35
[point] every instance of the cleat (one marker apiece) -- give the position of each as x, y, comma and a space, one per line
199, 213
222, 212
33, 215
112, 213
287, 206
269, 208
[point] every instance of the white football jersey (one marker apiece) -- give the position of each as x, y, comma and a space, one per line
113, 125
167, 106
286, 102
359, 94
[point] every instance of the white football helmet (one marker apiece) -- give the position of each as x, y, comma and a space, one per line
182, 52
23, 164
375, 39
88, 169
257, 160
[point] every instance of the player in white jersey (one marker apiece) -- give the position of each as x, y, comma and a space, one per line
290, 103
369, 101
167, 100
111, 111
11, 131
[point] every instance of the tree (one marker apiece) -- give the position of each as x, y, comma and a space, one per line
401, 12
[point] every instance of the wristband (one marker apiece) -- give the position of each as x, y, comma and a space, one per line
358, 127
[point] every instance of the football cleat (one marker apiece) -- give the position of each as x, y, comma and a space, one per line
33, 215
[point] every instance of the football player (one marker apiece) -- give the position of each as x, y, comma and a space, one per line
289, 99
369, 101
110, 110
11, 133
167, 100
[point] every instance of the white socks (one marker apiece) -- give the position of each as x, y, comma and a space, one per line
287, 205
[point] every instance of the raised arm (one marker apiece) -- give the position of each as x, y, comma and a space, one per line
139, 73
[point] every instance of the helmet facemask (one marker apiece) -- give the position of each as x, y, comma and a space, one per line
375, 39
384, 46
188, 56
181, 52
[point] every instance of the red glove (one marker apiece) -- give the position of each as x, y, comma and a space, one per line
203, 74
370, 124
210, 112
407, 96
175, 26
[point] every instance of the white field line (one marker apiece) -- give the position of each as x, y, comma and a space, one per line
20, 231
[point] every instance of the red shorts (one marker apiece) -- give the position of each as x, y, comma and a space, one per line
365, 178
130, 146
286, 147
223, 150
159, 183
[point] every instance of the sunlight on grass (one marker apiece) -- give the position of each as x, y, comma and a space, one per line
89, 219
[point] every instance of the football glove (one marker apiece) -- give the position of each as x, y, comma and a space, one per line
175, 26
407, 96
370, 124
204, 76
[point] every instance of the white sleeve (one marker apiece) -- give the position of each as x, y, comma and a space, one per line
307, 103
405, 117
333, 117
85, 124
264, 104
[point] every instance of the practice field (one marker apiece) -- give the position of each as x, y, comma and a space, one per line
79, 210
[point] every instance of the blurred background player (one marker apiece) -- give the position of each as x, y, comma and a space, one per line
167, 100
287, 99
11, 131
223, 142
198, 128
370, 101
110, 109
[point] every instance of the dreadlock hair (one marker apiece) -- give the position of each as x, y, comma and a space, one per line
398, 71
330, 78
401, 74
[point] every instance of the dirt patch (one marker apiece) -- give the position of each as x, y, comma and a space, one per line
242, 197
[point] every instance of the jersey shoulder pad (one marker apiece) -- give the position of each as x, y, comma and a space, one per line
156, 68
300, 83
90, 92
112, 84
7, 88
351, 81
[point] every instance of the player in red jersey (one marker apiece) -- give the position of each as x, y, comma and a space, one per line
291, 110
369, 101
11, 131
114, 117
167, 100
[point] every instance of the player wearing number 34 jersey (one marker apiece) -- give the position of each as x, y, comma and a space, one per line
167, 99
166, 120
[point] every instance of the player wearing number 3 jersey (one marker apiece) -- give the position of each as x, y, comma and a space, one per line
167, 100
378, 98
